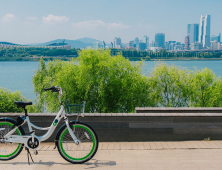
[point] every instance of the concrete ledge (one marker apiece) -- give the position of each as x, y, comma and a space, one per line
178, 110
140, 126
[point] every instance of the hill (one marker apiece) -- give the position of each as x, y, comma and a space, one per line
79, 43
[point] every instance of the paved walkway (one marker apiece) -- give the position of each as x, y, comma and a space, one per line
203, 155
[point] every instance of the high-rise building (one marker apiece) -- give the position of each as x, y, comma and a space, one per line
204, 30
215, 45
152, 44
171, 46
136, 41
214, 37
104, 44
160, 40
130, 44
117, 43
167, 45
146, 41
187, 42
193, 32
196, 46
142, 46
178, 47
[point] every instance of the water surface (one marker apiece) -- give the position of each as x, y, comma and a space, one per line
18, 75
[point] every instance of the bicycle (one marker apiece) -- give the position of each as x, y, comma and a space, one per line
76, 142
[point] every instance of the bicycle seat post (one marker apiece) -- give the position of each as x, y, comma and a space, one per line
26, 114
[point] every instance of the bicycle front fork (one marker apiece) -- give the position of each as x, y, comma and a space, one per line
71, 132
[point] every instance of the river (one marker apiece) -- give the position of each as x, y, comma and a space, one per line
18, 75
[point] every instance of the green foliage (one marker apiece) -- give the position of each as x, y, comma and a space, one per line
113, 84
133, 54
7, 99
170, 85
177, 87
206, 89
24, 53
107, 83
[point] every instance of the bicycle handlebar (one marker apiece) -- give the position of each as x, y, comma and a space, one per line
55, 89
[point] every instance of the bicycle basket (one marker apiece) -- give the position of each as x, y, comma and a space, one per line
75, 108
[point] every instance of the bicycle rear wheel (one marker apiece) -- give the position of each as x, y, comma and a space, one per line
82, 152
9, 150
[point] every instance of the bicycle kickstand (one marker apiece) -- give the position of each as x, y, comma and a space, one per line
29, 154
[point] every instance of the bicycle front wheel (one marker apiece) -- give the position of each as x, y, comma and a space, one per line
77, 153
9, 150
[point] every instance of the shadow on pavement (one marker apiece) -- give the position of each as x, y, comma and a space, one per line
98, 163
93, 164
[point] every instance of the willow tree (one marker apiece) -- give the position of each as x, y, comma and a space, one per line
107, 83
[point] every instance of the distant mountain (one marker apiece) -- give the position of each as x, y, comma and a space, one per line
73, 43
87, 40
8, 43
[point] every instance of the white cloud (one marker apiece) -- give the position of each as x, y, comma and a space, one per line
31, 18
92, 24
55, 19
8, 18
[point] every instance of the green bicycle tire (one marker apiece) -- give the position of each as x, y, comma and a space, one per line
9, 151
82, 152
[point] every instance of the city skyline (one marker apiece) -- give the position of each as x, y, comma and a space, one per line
35, 22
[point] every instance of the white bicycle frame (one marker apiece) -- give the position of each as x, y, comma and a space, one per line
23, 139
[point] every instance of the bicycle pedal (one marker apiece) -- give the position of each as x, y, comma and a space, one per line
35, 152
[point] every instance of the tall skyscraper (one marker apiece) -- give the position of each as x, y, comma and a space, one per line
204, 30
146, 41
160, 40
193, 32
117, 43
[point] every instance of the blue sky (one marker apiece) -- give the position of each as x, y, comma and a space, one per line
36, 21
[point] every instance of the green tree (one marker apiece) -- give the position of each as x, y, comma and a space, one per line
170, 86
107, 83
206, 89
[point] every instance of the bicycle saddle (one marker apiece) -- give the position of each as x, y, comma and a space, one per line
22, 104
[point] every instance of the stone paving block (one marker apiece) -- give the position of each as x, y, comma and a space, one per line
117, 146
140, 145
104, 146
158, 145
152, 145
110, 146
164, 145
146, 145
135, 145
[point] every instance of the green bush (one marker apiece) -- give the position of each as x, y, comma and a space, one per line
178, 87
7, 99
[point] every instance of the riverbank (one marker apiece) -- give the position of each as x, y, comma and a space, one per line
185, 59
131, 59
36, 58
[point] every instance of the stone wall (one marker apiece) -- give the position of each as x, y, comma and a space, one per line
151, 126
